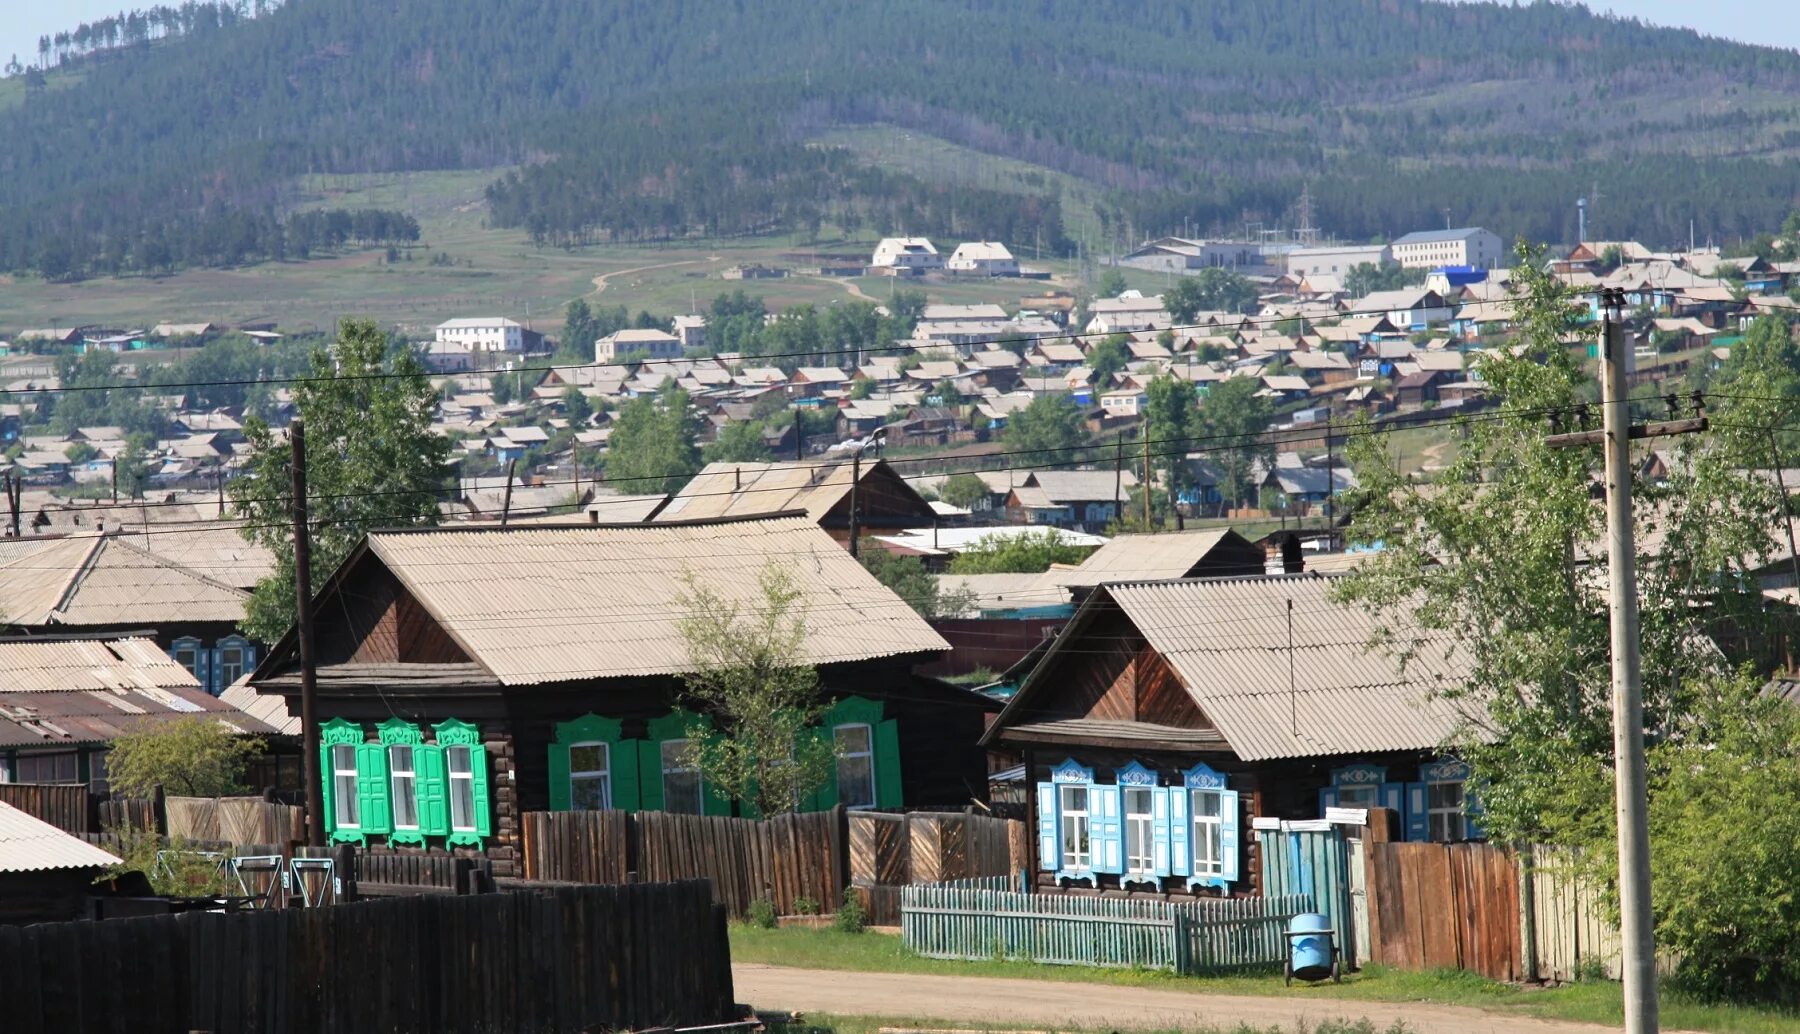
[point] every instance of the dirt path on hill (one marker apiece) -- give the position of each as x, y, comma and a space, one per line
601, 281
1100, 1006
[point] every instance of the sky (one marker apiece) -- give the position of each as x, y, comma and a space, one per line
1769, 22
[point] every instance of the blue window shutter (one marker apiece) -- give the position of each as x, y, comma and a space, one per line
1049, 855
1228, 835
1328, 798
1181, 850
372, 788
1108, 831
1159, 829
1393, 798
1418, 819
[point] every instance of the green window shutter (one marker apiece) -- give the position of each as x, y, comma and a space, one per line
650, 776
329, 798
626, 793
478, 784
559, 776
887, 765
712, 801
826, 796
372, 788
434, 804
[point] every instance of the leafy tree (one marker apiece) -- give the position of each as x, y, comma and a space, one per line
964, 490
580, 331
1389, 276
750, 676
1172, 418
1232, 417
1112, 284
372, 461
740, 441
576, 406
81, 452
905, 307
188, 756
652, 447
1028, 553
1106, 359
1048, 431
909, 579
1212, 289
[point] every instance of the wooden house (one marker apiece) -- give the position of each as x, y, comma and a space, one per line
466, 676
1167, 715
822, 488
46, 875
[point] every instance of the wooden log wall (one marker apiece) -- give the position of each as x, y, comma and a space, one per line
1445, 905
578, 958
63, 805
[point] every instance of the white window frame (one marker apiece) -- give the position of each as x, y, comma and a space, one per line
339, 751
411, 794
1140, 825
466, 778
225, 666
1207, 831
681, 766
845, 755
1073, 821
1359, 795
603, 774
1449, 814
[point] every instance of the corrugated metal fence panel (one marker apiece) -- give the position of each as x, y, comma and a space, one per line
1311, 864
977, 919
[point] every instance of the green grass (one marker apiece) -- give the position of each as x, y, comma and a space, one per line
821, 1023
1597, 1002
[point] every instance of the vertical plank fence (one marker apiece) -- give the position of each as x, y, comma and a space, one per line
1571, 929
1445, 905
569, 959
63, 805
984, 919
235, 820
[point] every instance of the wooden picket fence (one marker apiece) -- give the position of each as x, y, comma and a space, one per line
63, 805
234, 820
988, 918
569, 959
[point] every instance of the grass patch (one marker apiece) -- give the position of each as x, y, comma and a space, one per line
1597, 1002
829, 1024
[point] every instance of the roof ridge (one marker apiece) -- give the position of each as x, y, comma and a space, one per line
178, 567
76, 575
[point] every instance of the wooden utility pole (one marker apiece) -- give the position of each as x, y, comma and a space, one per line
506, 501
1145, 433
855, 480
303, 625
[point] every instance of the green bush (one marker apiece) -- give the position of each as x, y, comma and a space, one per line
850, 915
761, 913
804, 906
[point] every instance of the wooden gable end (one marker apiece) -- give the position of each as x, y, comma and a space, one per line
372, 619
885, 500
1108, 671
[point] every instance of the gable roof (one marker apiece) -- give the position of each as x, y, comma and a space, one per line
1333, 694
748, 489
1136, 558
29, 844
550, 604
102, 580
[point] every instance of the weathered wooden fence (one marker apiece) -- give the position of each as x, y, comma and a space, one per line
1311, 859
931, 847
570, 959
1571, 929
783, 859
63, 805
1445, 905
128, 813
985, 919
235, 820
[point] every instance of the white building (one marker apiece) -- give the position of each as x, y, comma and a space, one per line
652, 344
983, 258
1335, 260
1126, 314
1188, 255
484, 334
1409, 308
691, 331
1469, 246
1129, 402
911, 254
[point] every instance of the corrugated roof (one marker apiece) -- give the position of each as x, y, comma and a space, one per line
537, 605
29, 844
751, 489
1228, 641
1137, 558
103, 580
267, 708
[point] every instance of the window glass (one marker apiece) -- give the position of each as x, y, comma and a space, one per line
681, 781
188, 658
1359, 796
400, 786
1137, 830
462, 788
231, 665
97, 781
62, 767
1077, 845
1209, 860
1444, 803
343, 786
590, 777
855, 766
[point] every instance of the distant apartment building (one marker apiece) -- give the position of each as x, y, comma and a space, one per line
484, 334
906, 254
1335, 260
1469, 246
691, 331
649, 344
983, 258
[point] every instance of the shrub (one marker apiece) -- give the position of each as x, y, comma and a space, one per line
804, 906
850, 915
761, 913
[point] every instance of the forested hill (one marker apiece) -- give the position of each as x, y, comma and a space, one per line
682, 116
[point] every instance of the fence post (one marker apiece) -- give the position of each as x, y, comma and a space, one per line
461, 869
1379, 831
840, 853
344, 868
159, 811
1528, 952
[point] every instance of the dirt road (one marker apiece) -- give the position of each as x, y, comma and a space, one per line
1100, 1006
601, 281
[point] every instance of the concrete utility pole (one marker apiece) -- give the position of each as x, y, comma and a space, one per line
303, 624
1630, 795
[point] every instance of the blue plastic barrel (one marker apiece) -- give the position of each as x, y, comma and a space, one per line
1309, 946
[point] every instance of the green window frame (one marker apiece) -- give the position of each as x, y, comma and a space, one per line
401, 741
678, 726
621, 758
465, 772
354, 775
